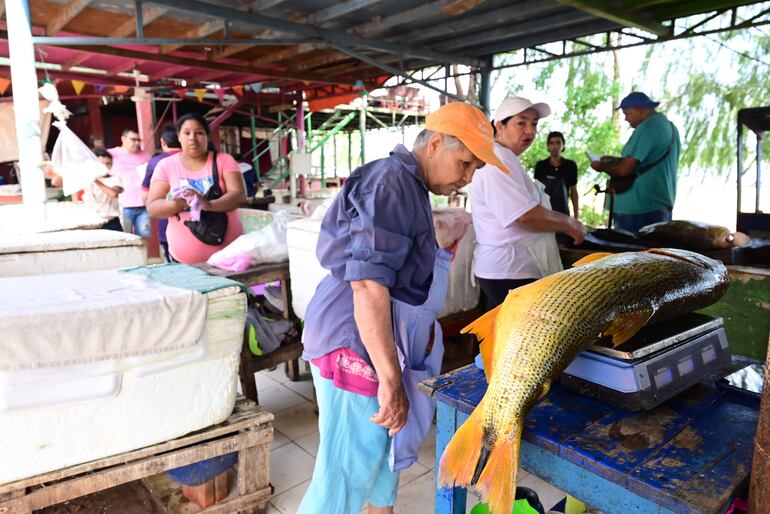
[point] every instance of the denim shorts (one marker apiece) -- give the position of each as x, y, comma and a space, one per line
136, 220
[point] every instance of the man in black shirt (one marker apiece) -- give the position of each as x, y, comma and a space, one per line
559, 175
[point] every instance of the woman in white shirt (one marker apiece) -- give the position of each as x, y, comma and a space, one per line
515, 227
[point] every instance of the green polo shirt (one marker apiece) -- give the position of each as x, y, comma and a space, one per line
655, 189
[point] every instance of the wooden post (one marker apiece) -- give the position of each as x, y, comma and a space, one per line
145, 121
759, 488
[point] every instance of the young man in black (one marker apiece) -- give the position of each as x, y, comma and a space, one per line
559, 175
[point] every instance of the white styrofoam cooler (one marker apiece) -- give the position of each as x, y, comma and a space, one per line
62, 415
69, 251
307, 272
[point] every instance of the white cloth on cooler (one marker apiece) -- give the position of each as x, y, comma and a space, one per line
72, 318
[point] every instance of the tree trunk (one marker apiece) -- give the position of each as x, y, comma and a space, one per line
458, 84
472, 87
616, 80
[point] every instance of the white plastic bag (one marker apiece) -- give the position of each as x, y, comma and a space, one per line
450, 225
267, 244
74, 161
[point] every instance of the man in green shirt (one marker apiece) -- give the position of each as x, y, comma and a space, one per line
652, 154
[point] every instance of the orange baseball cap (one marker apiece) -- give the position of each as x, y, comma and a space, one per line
468, 124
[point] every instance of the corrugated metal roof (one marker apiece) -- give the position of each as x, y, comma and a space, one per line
335, 41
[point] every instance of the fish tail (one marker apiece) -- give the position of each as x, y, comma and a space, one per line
497, 483
458, 463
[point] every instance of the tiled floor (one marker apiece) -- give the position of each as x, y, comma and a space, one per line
295, 444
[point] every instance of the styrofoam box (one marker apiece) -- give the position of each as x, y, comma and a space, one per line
69, 251
306, 272
60, 416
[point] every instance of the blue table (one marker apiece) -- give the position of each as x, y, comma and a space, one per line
688, 455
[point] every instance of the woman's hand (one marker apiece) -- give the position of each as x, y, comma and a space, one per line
577, 231
394, 406
180, 204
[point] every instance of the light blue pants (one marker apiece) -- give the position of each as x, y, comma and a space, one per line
136, 220
351, 467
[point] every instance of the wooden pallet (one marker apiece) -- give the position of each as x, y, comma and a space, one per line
248, 431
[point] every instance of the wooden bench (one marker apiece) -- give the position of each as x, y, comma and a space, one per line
248, 431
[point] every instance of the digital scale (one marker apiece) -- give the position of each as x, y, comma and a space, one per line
659, 362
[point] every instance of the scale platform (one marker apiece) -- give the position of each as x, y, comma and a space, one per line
659, 362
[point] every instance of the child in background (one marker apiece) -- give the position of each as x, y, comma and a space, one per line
102, 195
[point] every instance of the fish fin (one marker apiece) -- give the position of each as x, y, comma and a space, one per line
591, 258
497, 483
484, 329
624, 327
459, 460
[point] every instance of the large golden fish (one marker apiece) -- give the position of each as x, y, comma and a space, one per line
540, 328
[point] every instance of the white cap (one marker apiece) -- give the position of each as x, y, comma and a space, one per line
244, 167
514, 105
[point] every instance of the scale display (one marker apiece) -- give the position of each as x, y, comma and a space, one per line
658, 363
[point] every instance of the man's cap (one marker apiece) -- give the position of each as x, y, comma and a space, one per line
638, 99
514, 105
468, 124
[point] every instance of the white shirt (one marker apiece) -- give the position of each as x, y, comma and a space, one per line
103, 204
497, 201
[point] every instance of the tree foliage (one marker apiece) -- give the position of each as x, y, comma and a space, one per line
733, 76
587, 118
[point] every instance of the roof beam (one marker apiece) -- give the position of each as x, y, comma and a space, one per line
396, 71
320, 60
264, 5
166, 72
380, 26
543, 38
279, 55
149, 14
509, 32
335, 37
684, 9
377, 27
201, 31
75, 61
234, 49
196, 63
65, 15
508, 15
125, 66
207, 76
613, 12
338, 10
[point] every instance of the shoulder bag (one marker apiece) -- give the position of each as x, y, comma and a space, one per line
211, 227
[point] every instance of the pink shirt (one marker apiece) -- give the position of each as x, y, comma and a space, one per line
348, 372
182, 245
124, 165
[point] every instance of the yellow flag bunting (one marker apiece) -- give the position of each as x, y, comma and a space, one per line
78, 86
